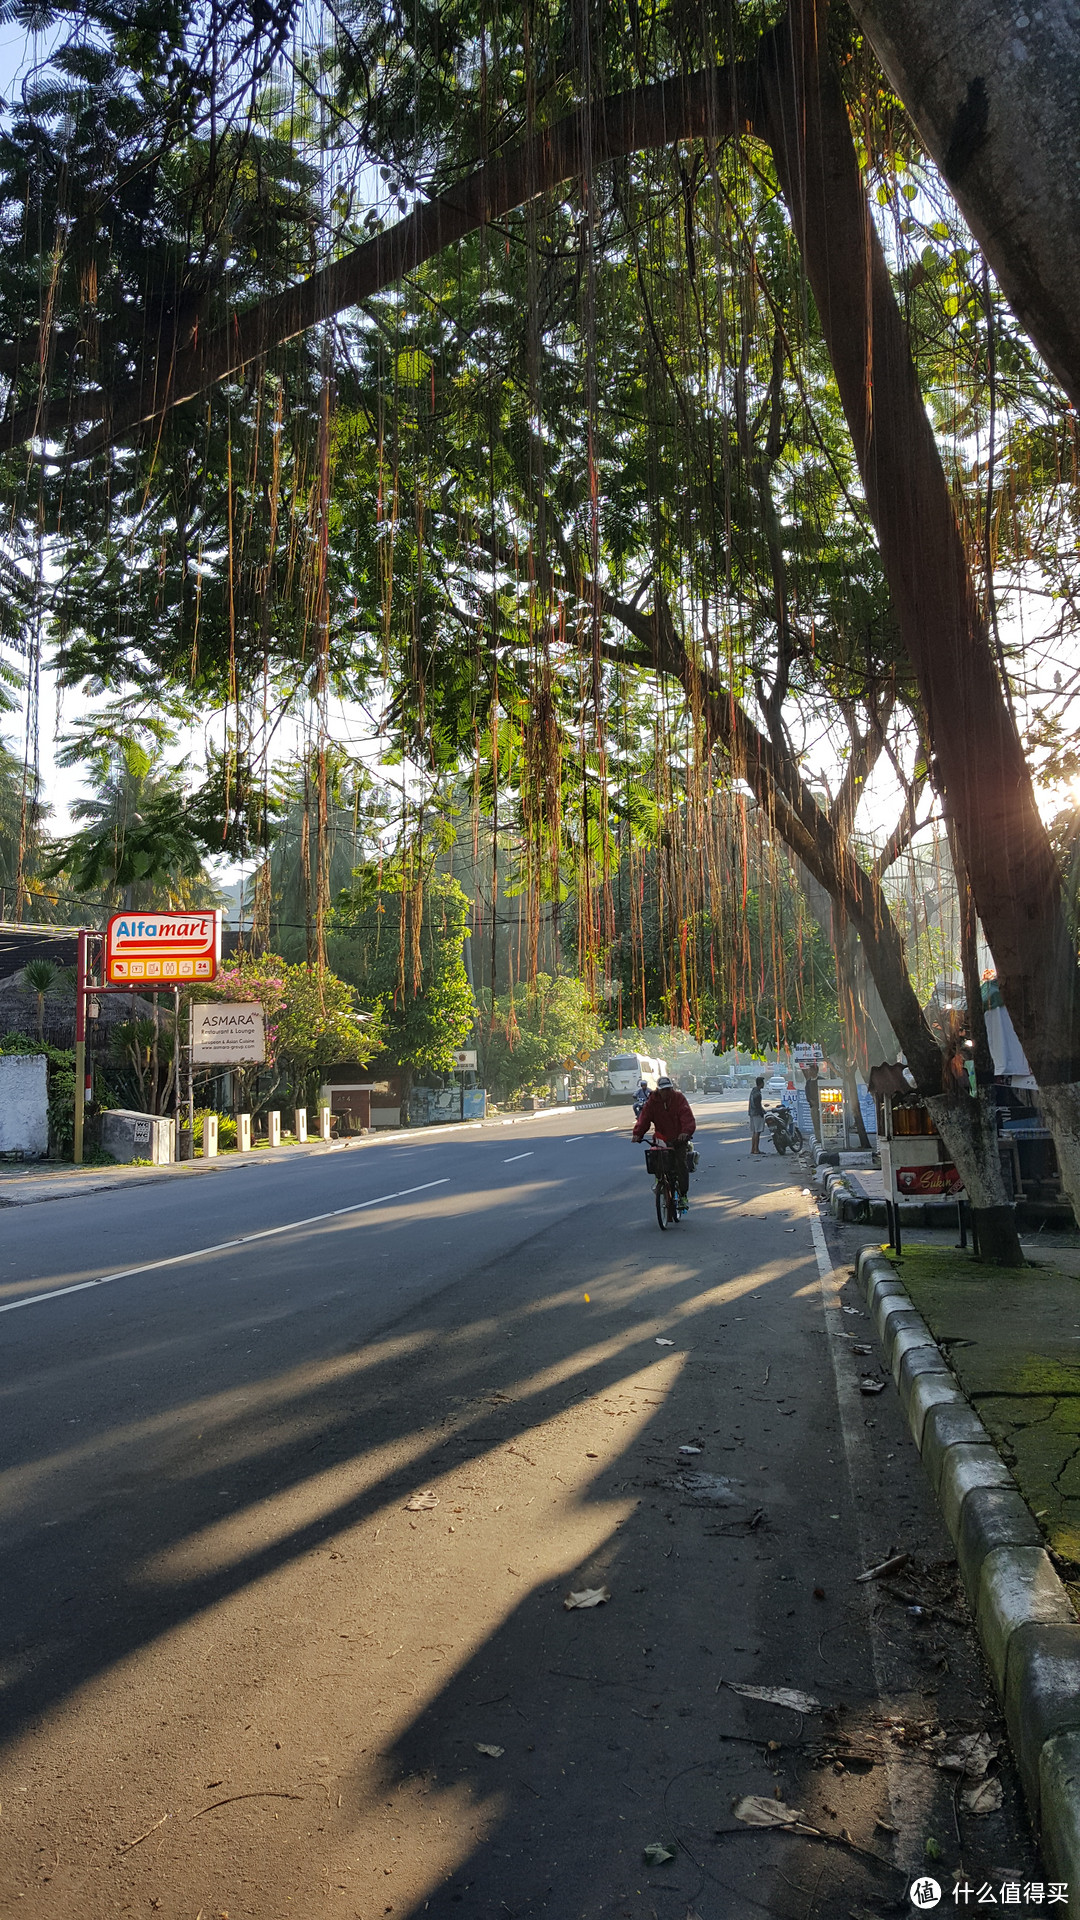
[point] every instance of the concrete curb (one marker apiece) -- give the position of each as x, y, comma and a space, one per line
1026, 1622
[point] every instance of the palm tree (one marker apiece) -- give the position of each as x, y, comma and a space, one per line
138, 847
41, 975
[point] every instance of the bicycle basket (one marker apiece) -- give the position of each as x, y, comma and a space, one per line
654, 1159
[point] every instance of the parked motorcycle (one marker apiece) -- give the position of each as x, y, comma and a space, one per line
783, 1132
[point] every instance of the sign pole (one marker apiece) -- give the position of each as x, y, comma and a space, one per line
80, 1047
177, 1064
191, 1075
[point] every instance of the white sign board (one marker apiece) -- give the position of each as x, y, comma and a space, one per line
807, 1050
228, 1033
464, 1059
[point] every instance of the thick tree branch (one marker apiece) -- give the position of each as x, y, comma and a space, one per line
711, 104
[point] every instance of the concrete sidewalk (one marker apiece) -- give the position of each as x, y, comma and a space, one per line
987, 1365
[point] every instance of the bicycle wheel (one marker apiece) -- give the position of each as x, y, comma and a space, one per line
660, 1190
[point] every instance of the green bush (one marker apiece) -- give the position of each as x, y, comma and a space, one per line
226, 1129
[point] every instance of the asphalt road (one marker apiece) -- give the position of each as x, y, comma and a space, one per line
241, 1676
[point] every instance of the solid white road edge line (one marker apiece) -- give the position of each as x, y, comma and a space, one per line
910, 1789
220, 1246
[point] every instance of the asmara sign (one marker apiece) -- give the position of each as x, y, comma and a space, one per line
228, 1034
162, 949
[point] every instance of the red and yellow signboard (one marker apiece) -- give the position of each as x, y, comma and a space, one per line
162, 949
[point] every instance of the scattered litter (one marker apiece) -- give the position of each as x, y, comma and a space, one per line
657, 1854
691, 1449
869, 1385
970, 1754
587, 1597
779, 1697
808, 1193
495, 1753
983, 1797
588, 1301
859, 1348
422, 1502
894, 1564
855, 1310
665, 1343
754, 1810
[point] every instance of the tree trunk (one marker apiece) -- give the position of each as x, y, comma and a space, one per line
969, 1130
992, 87
987, 784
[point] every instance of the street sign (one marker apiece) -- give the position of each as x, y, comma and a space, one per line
464, 1059
227, 1033
162, 949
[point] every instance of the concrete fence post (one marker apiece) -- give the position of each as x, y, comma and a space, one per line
243, 1133
324, 1123
209, 1136
273, 1127
300, 1123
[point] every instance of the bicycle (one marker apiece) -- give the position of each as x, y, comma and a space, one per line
663, 1163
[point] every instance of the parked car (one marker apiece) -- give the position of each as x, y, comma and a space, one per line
778, 1084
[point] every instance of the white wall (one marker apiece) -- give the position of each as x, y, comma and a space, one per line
24, 1104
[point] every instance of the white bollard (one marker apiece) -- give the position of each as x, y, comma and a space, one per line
209, 1136
324, 1123
300, 1123
273, 1127
243, 1133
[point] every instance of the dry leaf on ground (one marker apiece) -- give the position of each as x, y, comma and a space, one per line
665, 1343
422, 1502
587, 1597
983, 1797
657, 1854
754, 1810
969, 1754
778, 1697
496, 1753
871, 1386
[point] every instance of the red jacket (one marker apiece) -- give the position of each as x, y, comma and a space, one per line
669, 1113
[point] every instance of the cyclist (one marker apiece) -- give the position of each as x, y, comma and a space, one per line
669, 1114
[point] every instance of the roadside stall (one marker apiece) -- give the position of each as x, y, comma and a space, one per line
914, 1162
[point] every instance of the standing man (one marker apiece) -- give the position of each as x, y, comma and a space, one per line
669, 1113
813, 1097
756, 1113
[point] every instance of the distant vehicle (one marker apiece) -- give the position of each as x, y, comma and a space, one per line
777, 1084
714, 1083
627, 1069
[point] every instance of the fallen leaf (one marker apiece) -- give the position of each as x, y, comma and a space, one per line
969, 1754
422, 1502
869, 1385
983, 1797
587, 1597
691, 1449
657, 1854
665, 1343
754, 1810
496, 1753
779, 1697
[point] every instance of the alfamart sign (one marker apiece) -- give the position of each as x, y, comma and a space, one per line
228, 1034
162, 949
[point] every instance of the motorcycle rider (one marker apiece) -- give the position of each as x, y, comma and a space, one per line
640, 1097
669, 1113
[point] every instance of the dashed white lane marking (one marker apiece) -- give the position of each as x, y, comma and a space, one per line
220, 1246
910, 1789
518, 1156
571, 1137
